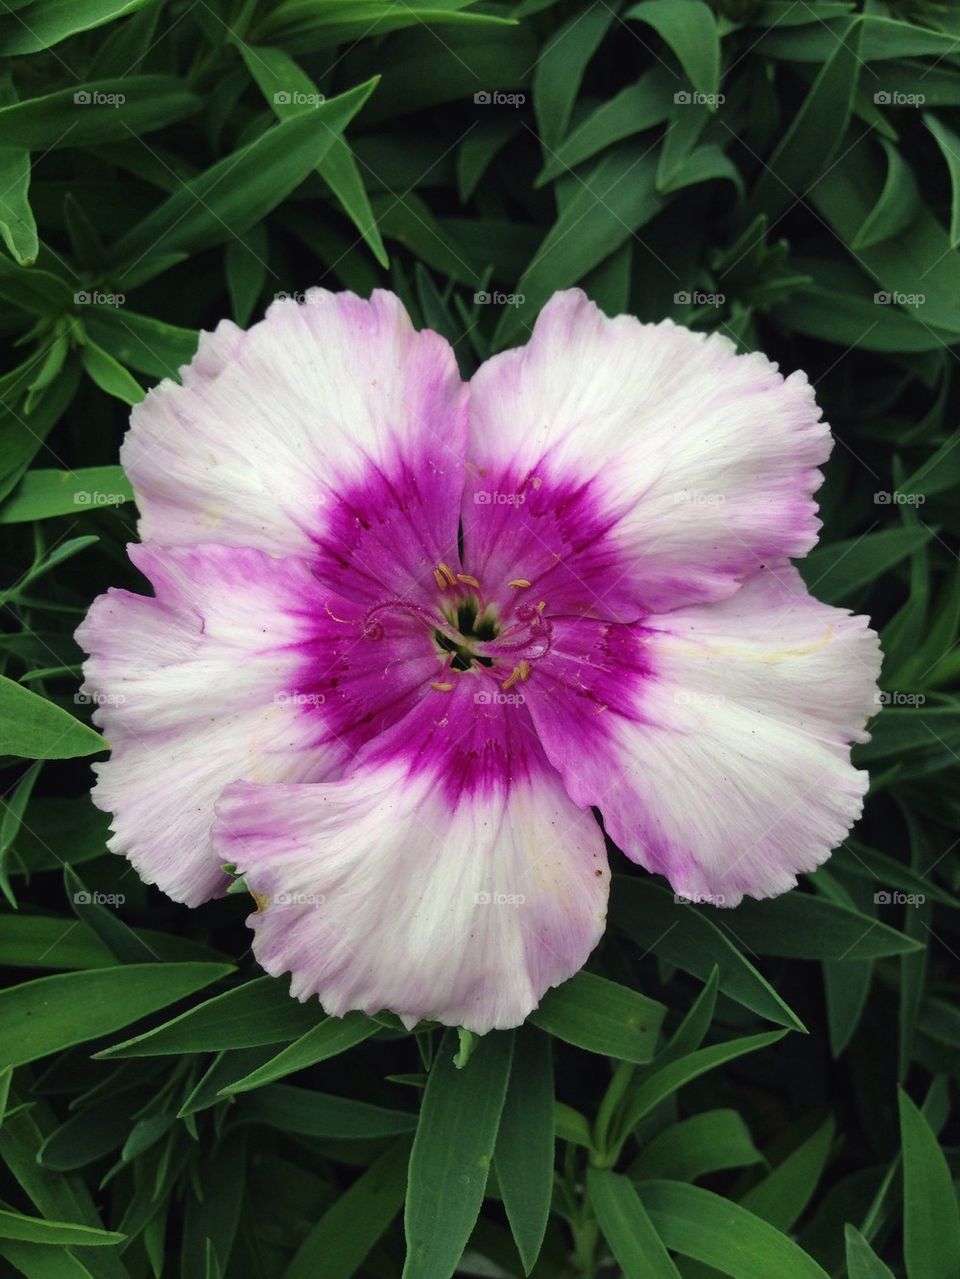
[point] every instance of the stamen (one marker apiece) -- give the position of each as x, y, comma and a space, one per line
440, 579
447, 573
519, 582
441, 688
511, 679
523, 670
466, 577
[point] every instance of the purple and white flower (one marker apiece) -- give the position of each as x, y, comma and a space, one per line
407, 633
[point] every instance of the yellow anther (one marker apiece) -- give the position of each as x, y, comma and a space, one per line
440, 579
519, 582
523, 670
469, 579
441, 688
511, 679
447, 573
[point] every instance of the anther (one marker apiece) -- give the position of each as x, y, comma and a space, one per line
441, 688
519, 582
440, 579
511, 679
523, 670
447, 573
466, 577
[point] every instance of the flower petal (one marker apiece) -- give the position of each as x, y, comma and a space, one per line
239, 668
636, 467
715, 739
331, 430
449, 878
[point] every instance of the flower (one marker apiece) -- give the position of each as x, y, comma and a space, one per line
406, 634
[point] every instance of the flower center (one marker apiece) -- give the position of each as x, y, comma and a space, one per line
474, 625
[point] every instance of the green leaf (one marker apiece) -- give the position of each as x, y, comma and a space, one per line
451, 1154
317, 1114
931, 1219
57, 20
242, 188
709, 1142
43, 1016
290, 92
602, 1017
338, 1244
42, 494
329, 1039
18, 227
795, 166
684, 935
897, 205
834, 572
800, 926
862, 1261
700, 1224
949, 144
258, 1012
659, 1084
110, 375
37, 729
560, 68
783, 1194
96, 111
628, 1230
14, 1225
689, 27
524, 1152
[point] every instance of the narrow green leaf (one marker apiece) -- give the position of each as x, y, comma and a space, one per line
18, 227
338, 1244
689, 27
626, 1227
37, 729
43, 1016
332, 1037
602, 1017
42, 494
525, 1144
931, 1219
451, 1154
700, 1224
258, 1012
